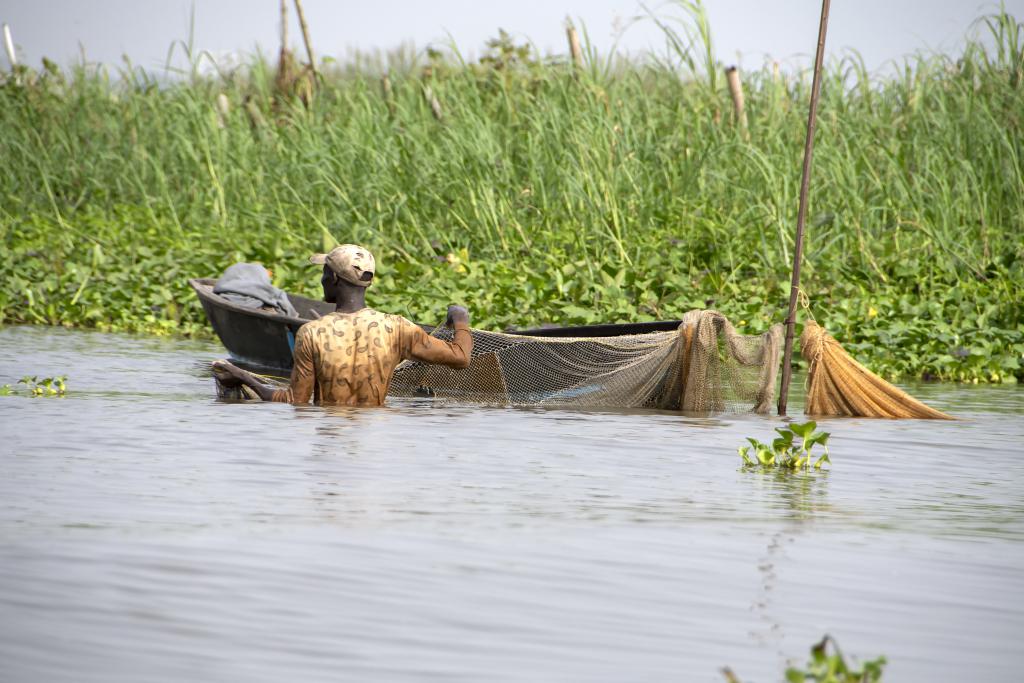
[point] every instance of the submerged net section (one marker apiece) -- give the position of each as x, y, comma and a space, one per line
704, 366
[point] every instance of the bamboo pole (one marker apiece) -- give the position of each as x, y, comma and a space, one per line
305, 37
574, 45
794, 290
732, 75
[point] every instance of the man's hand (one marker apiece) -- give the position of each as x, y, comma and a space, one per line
230, 375
457, 314
227, 373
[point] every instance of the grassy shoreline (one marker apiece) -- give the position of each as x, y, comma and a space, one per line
620, 192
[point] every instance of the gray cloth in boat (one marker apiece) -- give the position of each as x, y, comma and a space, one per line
248, 285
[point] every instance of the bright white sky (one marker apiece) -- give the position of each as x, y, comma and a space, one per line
745, 31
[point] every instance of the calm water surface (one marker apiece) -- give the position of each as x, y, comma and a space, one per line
151, 533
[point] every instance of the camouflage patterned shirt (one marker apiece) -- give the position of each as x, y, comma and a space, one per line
349, 358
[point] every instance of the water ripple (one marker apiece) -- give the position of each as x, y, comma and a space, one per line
151, 533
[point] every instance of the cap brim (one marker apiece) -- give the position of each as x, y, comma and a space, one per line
318, 259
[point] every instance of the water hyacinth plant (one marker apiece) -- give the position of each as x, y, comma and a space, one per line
831, 667
35, 387
790, 450
828, 666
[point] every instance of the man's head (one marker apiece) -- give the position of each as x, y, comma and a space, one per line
348, 263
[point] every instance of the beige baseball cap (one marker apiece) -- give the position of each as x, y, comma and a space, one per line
350, 262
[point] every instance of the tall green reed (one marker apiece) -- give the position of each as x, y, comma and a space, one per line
618, 191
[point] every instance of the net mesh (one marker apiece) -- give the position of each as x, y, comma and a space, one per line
839, 385
703, 366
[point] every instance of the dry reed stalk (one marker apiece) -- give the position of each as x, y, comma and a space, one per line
9, 46
254, 114
305, 37
736, 90
287, 81
389, 96
574, 45
223, 109
435, 104
283, 55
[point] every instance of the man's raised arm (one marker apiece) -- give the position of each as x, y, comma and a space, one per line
455, 354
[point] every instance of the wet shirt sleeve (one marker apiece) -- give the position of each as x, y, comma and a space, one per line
303, 375
418, 345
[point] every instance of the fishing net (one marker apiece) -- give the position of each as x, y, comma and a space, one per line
839, 385
703, 366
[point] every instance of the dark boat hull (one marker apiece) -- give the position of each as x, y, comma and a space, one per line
257, 339
263, 340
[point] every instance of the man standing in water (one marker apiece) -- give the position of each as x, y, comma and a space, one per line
349, 356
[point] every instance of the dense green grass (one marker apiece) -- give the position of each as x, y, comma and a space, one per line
622, 192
